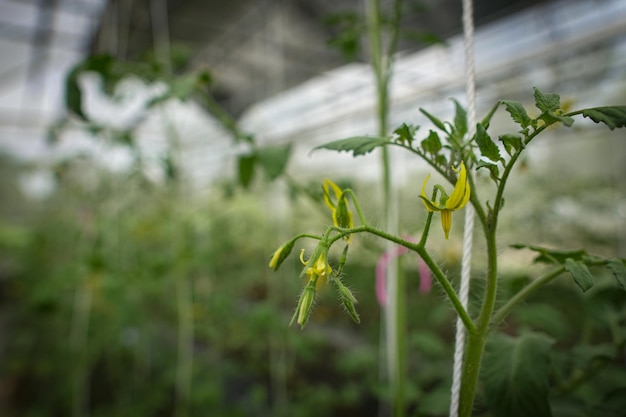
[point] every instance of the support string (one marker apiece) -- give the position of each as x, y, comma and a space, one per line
470, 91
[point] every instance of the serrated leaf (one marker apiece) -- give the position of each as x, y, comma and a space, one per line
580, 273
552, 256
460, 119
551, 118
358, 145
246, 169
547, 101
612, 116
494, 172
616, 266
274, 160
517, 112
515, 375
435, 120
442, 160
432, 144
512, 143
406, 132
487, 147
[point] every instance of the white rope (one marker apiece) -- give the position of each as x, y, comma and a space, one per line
470, 90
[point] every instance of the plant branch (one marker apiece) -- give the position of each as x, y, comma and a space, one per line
525, 292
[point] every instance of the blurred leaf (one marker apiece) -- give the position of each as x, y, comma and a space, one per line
274, 160
582, 355
618, 269
183, 87
494, 172
512, 143
246, 169
427, 38
348, 27
515, 374
580, 272
551, 256
435, 120
435, 402
547, 102
432, 144
358, 145
544, 317
101, 64
517, 112
487, 147
406, 132
612, 116
460, 119
551, 118
428, 343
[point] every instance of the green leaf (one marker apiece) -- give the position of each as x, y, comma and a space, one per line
487, 147
432, 144
583, 355
552, 256
435, 120
512, 143
580, 272
406, 132
494, 172
183, 87
358, 145
515, 374
246, 169
612, 116
460, 119
274, 160
551, 118
517, 112
547, 102
427, 38
619, 271
101, 64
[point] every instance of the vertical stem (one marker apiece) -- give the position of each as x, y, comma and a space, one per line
394, 315
78, 344
184, 366
476, 341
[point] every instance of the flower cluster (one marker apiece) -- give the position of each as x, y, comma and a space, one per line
447, 204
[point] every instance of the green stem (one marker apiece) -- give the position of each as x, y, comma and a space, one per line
423, 253
184, 364
382, 63
521, 295
476, 342
225, 119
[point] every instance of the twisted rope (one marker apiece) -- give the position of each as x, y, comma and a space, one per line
470, 90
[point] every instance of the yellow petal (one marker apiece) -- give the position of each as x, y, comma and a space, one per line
460, 194
336, 190
446, 221
430, 205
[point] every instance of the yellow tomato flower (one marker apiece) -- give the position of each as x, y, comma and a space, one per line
320, 267
342, 216
447, 204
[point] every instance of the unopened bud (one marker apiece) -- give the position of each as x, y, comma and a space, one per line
280, 255
348, 300
305, 304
